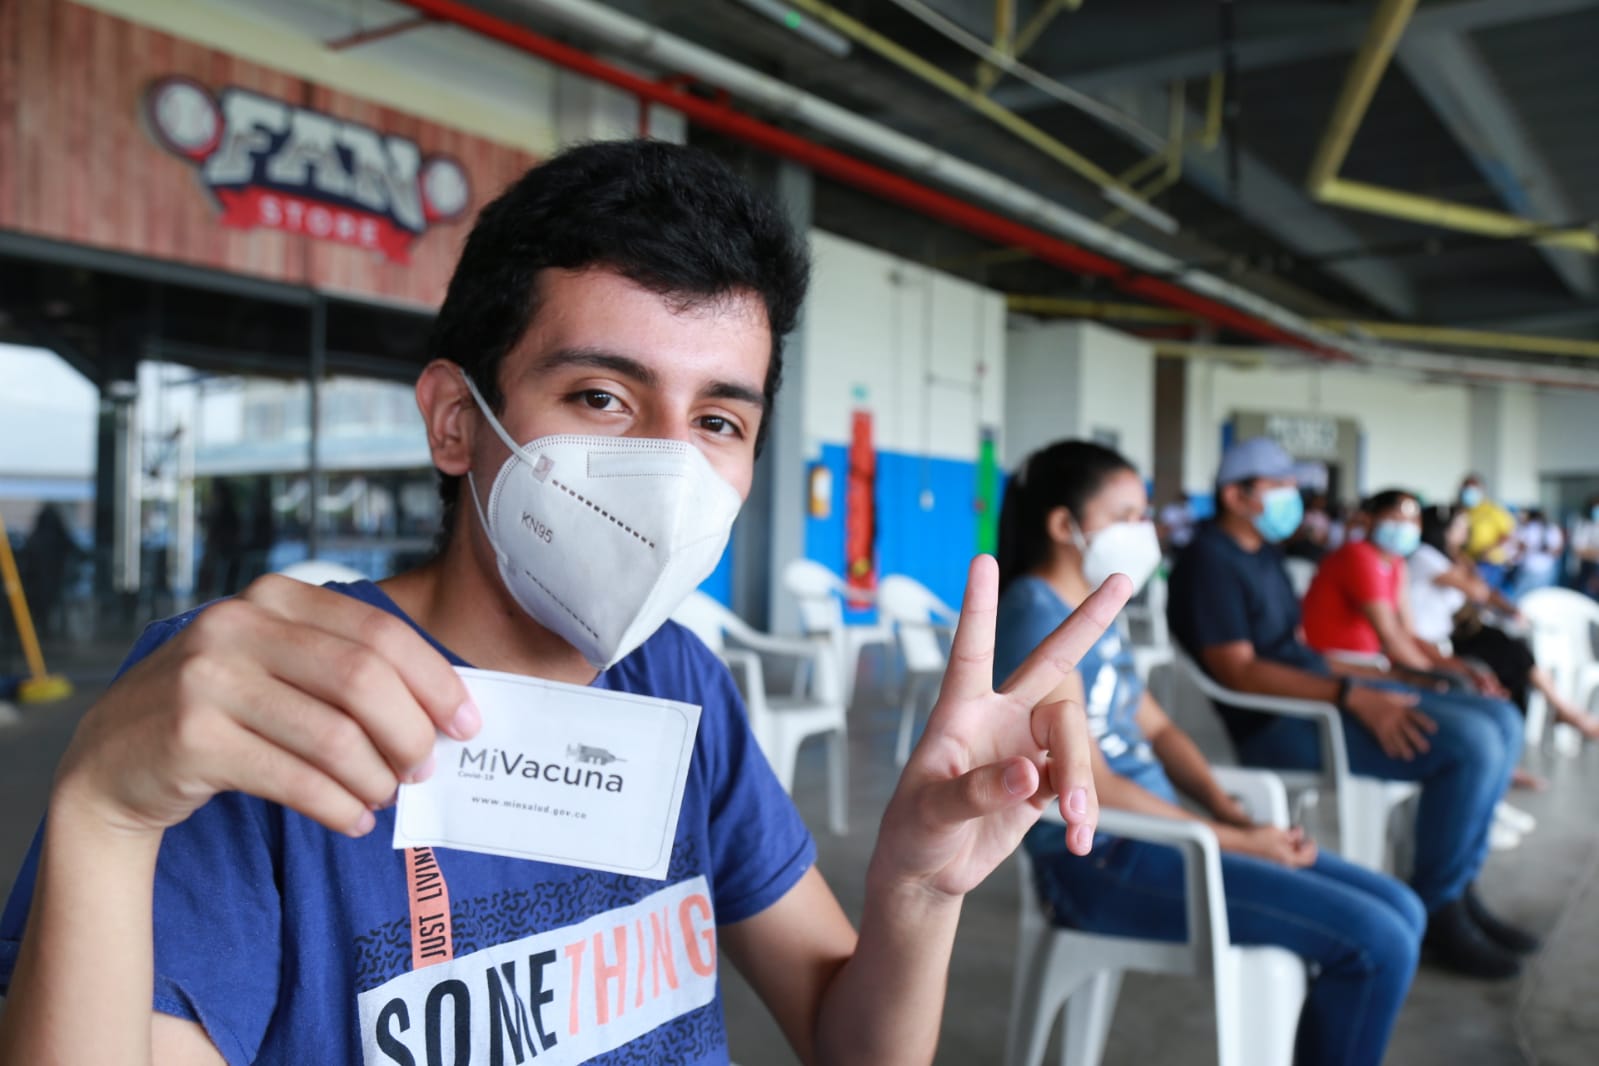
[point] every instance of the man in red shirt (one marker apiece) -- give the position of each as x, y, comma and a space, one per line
1359, 601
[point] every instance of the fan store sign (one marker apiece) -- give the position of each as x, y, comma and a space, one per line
272, 164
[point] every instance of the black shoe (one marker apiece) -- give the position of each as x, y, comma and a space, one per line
1454, 941
1500, 932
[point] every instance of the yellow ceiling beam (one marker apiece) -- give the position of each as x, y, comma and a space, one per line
1448, 337
1354, 100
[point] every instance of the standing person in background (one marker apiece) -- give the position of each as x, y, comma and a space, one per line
1540, 544
1585, 546
1493, 531
1310, 540
46, 563
1176, 524
1074, 515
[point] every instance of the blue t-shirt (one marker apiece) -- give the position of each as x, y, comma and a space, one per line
1029, 611
291, 944
1219, 594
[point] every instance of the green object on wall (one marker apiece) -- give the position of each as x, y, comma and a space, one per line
987, 502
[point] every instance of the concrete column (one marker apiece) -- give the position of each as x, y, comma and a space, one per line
771, 528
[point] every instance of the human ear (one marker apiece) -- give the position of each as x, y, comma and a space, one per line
1058, 524
446, 406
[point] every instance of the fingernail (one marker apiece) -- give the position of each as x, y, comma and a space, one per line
1082, 838
1077, 801
421, 773
466, 721
1016, 780
363, 825
394, 797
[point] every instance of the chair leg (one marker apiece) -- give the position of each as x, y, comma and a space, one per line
1088, 1016
838, 781
1034, 1003
907, 722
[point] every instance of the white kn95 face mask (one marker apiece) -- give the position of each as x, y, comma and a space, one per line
600, 539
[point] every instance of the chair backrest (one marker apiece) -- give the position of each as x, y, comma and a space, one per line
708, 620
320, 572
818, 592
1563, 625
1301, 572
1156, 595
916, 614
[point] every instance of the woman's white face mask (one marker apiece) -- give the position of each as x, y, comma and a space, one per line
1131, 548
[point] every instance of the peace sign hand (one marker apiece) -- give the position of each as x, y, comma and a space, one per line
990, 760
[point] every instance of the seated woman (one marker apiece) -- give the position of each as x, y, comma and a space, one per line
1449, 604
1074, 514
1359, 601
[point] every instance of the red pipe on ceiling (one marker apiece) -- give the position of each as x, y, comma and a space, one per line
893, 187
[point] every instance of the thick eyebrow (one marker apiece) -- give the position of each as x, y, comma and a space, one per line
596, 359
628, 367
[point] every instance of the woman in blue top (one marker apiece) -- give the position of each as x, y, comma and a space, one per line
1074, 514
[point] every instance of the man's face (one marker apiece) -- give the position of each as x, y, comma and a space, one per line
607, 357
1249, 501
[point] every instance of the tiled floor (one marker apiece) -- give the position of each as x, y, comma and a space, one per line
1551, 884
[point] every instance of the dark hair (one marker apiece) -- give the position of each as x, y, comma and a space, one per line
1435, 522
673, 219
1386, 500
1245, 485
1066, 474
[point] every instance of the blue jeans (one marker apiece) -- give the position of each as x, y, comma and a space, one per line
1463, 775
1361, 929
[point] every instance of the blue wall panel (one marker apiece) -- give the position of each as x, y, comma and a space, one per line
932, 545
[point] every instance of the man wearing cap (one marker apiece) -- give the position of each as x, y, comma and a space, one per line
1234, 611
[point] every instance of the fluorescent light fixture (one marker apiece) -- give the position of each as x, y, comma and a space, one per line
802, 25
1142, 210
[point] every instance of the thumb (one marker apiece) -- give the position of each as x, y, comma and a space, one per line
999, 786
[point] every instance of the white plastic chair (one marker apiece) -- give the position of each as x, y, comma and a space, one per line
922, 623
821, 595
320, 572
1301, 572
1562, 625
1156, 652
1082, 972
781, 723
1364, 805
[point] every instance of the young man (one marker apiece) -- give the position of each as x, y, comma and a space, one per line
1232, 608
218, 843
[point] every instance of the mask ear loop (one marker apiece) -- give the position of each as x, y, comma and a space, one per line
499, 430
1078, 538
505, 438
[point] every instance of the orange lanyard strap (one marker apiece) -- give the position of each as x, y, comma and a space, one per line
432, 937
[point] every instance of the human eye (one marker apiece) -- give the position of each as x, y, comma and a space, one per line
596, 400
721, 426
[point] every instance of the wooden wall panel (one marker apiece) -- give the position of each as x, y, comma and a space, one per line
77, 165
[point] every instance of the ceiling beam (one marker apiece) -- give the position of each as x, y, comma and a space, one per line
1462, 91
1278, 206
1281, 49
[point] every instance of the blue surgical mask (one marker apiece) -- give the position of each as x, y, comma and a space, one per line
1471, 495
1399, 538
1281, 513
1593, 515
